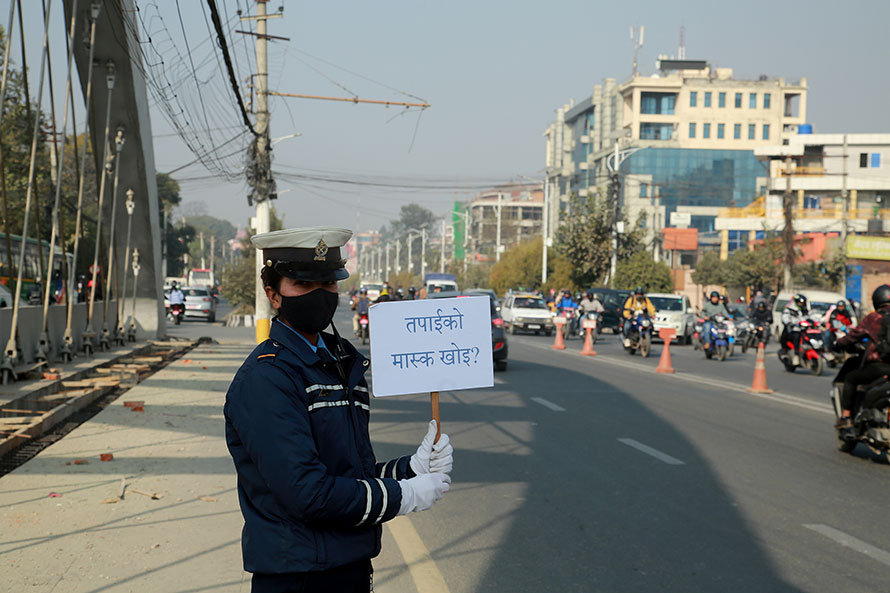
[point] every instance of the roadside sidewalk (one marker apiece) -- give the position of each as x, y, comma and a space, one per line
186, 541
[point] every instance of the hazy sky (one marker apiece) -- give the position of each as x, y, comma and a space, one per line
494, 72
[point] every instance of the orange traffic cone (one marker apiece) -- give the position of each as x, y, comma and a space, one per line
587, 350
759, 383
559, 344
664, 363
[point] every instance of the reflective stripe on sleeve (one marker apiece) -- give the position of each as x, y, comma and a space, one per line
385, 500
360, 388
332, 404
317, 387
395, 466
367, 502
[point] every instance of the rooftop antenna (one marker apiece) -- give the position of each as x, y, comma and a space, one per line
636, 35
681, 53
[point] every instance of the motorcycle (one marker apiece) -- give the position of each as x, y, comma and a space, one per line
718, 341
812, 349
177, 311
640, 336
698, 329
363, 328
755, 335
571, 315
730, 336
871, 426
835, 332
592, 316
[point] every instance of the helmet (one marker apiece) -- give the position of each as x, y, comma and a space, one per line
590, 294
174, 285
400, 290
881, 296
722, 298
714, 294
639, 290
363, 290
801, 301
761, 305
841, 304
412, 290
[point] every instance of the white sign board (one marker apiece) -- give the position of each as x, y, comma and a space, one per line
431, 345
681, 220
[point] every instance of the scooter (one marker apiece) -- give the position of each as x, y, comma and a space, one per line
718, 341
571, 315
698, 329
812, 349
640, 336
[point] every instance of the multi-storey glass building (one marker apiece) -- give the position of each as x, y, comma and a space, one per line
688, 133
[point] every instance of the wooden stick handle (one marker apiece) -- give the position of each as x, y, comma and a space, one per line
434, 400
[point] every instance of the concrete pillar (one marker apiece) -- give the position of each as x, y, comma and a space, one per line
800, 194
854, 203
752, 236
724, 245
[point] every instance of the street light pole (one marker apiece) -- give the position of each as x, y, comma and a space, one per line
497, 249
442, 260
545, 227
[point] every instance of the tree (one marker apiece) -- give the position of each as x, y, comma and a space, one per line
642, 270
411, 216
585, 239
758, 268
827, 274
520, 267
238, 283
709, 269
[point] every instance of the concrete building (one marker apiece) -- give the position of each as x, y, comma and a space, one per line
839, 183
688, 132
521, 208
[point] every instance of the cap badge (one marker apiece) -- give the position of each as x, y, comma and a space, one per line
321, 251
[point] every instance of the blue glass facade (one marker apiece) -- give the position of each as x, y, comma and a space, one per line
697, 177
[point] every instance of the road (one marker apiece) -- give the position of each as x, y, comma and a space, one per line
597, 474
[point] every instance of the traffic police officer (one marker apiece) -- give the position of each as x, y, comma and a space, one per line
311, 491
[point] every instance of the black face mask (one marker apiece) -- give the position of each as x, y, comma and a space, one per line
311, 312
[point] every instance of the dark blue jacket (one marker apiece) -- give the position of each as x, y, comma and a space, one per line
311, 492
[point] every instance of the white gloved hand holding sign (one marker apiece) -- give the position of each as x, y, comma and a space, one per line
433, 458
422, 492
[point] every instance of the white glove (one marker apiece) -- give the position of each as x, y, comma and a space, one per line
433, 457
422, 492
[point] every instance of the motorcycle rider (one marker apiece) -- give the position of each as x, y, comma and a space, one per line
591, 303
412, 293
636, 304
176, 298
384, 295
762, 316
712, 307
400, 294
851, 373
567, 306
360, 306
795, 311
837, 318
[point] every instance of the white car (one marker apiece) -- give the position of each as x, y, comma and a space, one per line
526, 312
674, 311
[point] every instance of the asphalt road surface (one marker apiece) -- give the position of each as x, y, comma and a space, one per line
588, 474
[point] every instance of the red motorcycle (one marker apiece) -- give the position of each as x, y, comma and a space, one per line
811, 353
177, 311
363, 328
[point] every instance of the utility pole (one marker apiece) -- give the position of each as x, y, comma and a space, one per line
442, 260
422, 254
655, 223
844, 218
387, 262
497, 249
203, 262
788, 230
262, 218
398, 256
212, 255
545, 226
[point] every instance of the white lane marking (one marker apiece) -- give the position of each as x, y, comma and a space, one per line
548, 404
851, 542
426, 575
777, 397
650, 451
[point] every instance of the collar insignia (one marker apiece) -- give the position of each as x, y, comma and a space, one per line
321, 251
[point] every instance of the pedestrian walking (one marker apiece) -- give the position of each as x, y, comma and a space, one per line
312, 493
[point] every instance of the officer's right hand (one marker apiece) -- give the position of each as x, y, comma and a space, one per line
423, 491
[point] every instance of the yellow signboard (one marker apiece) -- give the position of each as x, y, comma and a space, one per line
867, 247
